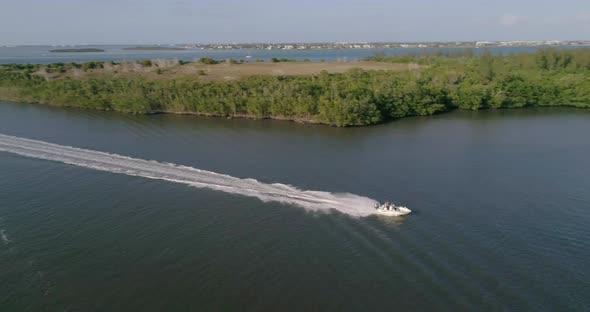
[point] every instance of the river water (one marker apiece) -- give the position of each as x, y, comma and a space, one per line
501, 218
42, 54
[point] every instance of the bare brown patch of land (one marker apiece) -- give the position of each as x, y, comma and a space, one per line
167, 69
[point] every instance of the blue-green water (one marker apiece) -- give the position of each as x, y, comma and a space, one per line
41, 54
501, 218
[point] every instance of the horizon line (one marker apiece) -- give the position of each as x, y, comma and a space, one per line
292, 42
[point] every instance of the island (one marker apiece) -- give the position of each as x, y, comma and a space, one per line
74, 50
155, 48
379, 89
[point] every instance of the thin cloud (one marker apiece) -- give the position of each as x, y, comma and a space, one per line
509, 20
205, 10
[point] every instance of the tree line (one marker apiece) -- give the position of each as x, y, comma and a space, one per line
354, 98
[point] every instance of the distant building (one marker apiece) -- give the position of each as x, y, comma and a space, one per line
484, 43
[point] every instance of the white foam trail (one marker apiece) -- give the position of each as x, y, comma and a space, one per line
4, 237
312, 200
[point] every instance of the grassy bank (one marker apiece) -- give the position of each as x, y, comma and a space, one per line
340, 95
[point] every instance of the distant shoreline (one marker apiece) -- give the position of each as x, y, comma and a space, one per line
155, 49
339, 45
85, 50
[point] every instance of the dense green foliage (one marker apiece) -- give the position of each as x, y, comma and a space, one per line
208, 61
354, 98
280, 60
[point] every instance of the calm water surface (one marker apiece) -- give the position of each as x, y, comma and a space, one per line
501, 222
41, 54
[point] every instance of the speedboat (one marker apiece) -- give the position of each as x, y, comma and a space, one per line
391, 210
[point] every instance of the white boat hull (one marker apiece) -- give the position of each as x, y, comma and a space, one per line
394, 211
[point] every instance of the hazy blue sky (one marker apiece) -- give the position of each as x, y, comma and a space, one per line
180, 21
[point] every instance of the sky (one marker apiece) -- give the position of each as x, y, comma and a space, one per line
243, 21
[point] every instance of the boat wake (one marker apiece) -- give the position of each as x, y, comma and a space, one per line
4, 237
311, 200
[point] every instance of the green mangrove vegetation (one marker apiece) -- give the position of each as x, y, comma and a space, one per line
354, 98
